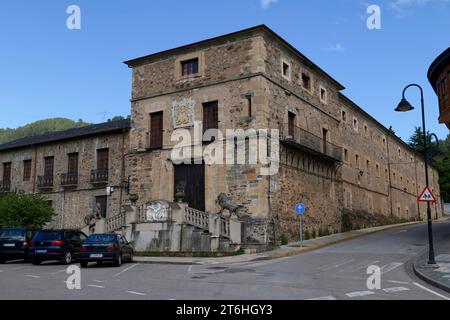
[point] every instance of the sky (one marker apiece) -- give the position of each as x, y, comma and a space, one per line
48, 70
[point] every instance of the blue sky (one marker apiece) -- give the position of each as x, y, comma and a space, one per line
50, 71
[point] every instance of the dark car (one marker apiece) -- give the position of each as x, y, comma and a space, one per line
62, 245
15, 243
105, 247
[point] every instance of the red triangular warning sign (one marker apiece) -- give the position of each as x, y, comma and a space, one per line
426, 196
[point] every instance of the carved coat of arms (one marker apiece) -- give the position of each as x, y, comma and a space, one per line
157, 211
183, 113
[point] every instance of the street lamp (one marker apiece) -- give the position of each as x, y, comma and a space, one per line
438, 155
405, 106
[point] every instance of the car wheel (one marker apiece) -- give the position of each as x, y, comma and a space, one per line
83, 264
131, 258
67, 258
36, 262
118, 261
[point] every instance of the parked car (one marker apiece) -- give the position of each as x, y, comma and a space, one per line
105, 247
15, 243
63, 245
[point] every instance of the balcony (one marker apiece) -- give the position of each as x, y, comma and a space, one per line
45, 182
309, 142
69, 180
99, 176
5, 186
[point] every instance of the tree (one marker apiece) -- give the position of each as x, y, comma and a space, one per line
416, 141
24, 210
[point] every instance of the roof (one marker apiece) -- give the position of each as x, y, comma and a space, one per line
438, 64
68, 134
245, 32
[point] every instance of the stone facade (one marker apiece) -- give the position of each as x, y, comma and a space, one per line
348, 169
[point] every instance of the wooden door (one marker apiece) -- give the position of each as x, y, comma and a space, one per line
194, 178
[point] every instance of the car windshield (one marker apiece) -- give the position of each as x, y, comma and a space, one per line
47, 235
101, 238
12, 234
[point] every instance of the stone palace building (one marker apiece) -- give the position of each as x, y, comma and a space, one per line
348, 169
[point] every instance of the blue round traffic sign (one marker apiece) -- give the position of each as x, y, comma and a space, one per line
300, 209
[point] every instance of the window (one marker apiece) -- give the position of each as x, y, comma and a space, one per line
345, 155
286, 70
325, 140
210, 115
49, 163
189, 67
386, 173
306, 81
344, 116
355, 124
357, 161
366, 129
102, 159
72, 167
156, 130
384, 141
6, 176
291, 124
377, 169
368, 165
323, 94
27, 170
249, 98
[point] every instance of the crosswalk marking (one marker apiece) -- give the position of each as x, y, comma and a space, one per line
391, 266
324, 298
359, 294
395, 289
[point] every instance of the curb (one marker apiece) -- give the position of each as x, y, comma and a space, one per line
426, 278
284, 254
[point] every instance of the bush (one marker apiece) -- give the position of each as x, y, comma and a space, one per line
314, 234
24, 210
307, 235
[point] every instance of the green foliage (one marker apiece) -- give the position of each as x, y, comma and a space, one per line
24, 210
416, 142
284, 239
39, 127
307, 235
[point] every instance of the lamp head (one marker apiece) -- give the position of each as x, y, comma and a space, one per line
439, 155
404, 106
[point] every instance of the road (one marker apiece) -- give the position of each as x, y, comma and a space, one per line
336, 272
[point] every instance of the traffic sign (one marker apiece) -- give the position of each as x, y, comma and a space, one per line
427, 196
300, 209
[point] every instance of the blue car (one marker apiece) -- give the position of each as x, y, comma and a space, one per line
15, 243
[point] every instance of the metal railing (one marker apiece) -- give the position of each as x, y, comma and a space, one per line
116, 222
44, 182
196, 218
69, 179
99, 176
298, 136
5, 185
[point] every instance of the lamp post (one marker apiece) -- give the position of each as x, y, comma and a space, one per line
405, 106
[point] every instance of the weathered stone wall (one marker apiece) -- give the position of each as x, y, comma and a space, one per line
72, 204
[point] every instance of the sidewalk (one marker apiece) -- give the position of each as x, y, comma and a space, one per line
439, 276
283, 251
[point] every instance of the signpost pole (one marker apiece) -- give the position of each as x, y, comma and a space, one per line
301, 232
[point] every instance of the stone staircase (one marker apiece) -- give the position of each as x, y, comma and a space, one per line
193, 230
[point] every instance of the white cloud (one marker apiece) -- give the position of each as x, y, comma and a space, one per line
335, 48
405, 7
266, 3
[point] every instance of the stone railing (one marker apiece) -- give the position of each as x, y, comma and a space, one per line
196, 218
116, 222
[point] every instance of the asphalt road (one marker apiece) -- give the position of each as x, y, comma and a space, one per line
336, 272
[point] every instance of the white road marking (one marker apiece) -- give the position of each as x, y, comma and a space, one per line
396, 281
125, 270
391, 266
395, 289
324, 298
32, 276
401, 231
364, 265
59, 271
95, 286
359, 294
431, 291
136, 293
337, 265
98, 281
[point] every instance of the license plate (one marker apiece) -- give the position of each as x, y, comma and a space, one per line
96, 255
9, 245
41, 251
